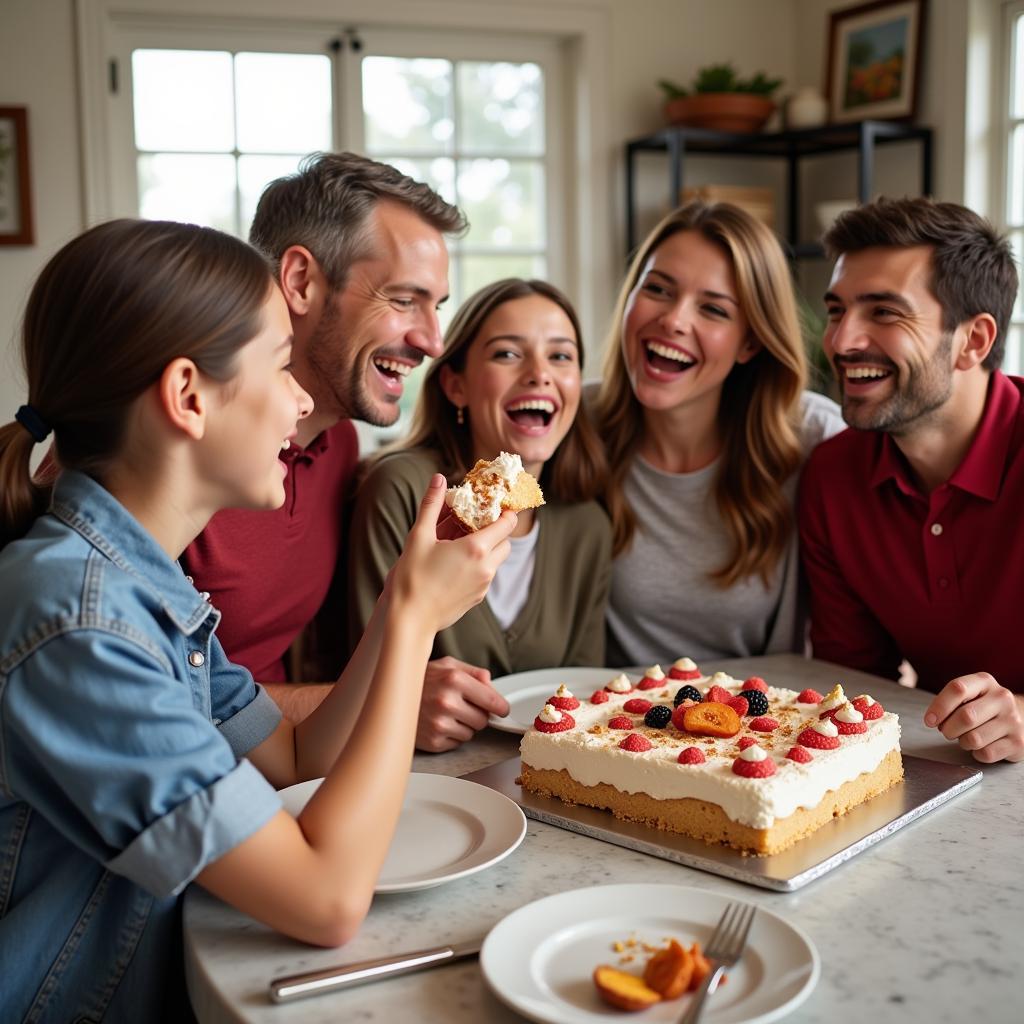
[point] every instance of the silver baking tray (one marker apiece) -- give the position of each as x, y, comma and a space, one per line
926, 785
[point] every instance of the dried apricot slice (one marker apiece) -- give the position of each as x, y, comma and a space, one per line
701, 968
623, 991
668, 971
712, 719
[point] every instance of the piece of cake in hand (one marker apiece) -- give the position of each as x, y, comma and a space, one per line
490, 488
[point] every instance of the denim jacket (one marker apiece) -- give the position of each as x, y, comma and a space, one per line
122, 728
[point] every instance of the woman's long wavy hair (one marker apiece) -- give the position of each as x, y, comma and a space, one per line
759, 412
106, 315
577, 470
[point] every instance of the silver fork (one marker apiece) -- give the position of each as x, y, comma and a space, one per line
724, 950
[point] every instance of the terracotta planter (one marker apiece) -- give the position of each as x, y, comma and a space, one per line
721, 111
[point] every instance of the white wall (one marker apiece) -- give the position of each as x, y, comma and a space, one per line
37, 70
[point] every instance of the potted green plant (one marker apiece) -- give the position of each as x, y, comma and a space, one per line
720, 100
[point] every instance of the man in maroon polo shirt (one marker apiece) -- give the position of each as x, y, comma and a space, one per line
359, 253
909, 521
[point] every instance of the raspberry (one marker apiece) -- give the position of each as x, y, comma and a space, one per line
691, 755
757, 700
764, 724
687, 693
565, 722
563, 703
636, 743
620, 722
658, 717
869, 711
718, 695
754, 769
647, 683
809, 697
682, 673
739, 704
850, 728
677, 716
747, 741
755, 683
818, 741
800, 754
637, 706
600, 697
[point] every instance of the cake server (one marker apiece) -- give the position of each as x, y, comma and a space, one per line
332, 979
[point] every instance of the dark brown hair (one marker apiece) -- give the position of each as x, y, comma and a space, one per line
326, 204
576, 471
972, 264
759, 412
108, 312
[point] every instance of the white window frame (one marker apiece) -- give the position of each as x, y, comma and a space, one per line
582, 28
1012, 11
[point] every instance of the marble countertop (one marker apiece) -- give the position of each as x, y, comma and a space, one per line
917, 928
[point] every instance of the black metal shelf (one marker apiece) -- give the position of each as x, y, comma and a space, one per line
791, 146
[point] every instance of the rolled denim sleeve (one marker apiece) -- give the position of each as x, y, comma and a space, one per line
244, 712
110, 748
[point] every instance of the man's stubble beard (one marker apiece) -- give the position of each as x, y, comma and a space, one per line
341, 377
922, 394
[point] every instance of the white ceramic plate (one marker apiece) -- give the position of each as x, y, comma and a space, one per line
449, 828
527, 691
539, 960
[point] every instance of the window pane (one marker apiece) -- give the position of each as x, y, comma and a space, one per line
255, 173
501, 108
183, 100
194, 189
477, 271
1017, 88
284, 102
504, 201
1017, 244
1015, 178
407, 105
1014, 360
438, 173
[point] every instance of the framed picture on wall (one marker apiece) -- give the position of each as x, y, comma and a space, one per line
874, 60
15, 187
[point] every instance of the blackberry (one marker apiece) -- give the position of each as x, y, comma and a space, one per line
658, 717
757, 702
687, 693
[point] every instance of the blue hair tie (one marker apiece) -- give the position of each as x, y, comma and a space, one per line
33, 423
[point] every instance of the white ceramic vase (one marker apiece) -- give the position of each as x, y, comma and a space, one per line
806, 108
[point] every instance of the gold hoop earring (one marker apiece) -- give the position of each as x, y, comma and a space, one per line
460, 415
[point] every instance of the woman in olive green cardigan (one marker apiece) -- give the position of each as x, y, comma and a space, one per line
509, 380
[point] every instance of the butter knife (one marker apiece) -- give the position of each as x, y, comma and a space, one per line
331, 979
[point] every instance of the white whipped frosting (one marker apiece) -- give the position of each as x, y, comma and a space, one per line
620, 684
654, 672
867, 698
832, 699
563, 691
593, 758
721, 679
479, 509
825, 726
849, 714
753, 753
550, 714
685, 665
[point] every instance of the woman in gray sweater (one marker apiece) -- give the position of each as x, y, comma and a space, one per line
706, 423
508, 380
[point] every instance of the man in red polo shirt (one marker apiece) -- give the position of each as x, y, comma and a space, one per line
909, 521
359, 252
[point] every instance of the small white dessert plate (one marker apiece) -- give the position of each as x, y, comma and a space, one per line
449, 828
527, 691
539, 960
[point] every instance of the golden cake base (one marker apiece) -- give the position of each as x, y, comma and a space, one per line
700, 819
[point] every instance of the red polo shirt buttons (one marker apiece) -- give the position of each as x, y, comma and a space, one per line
936, 529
